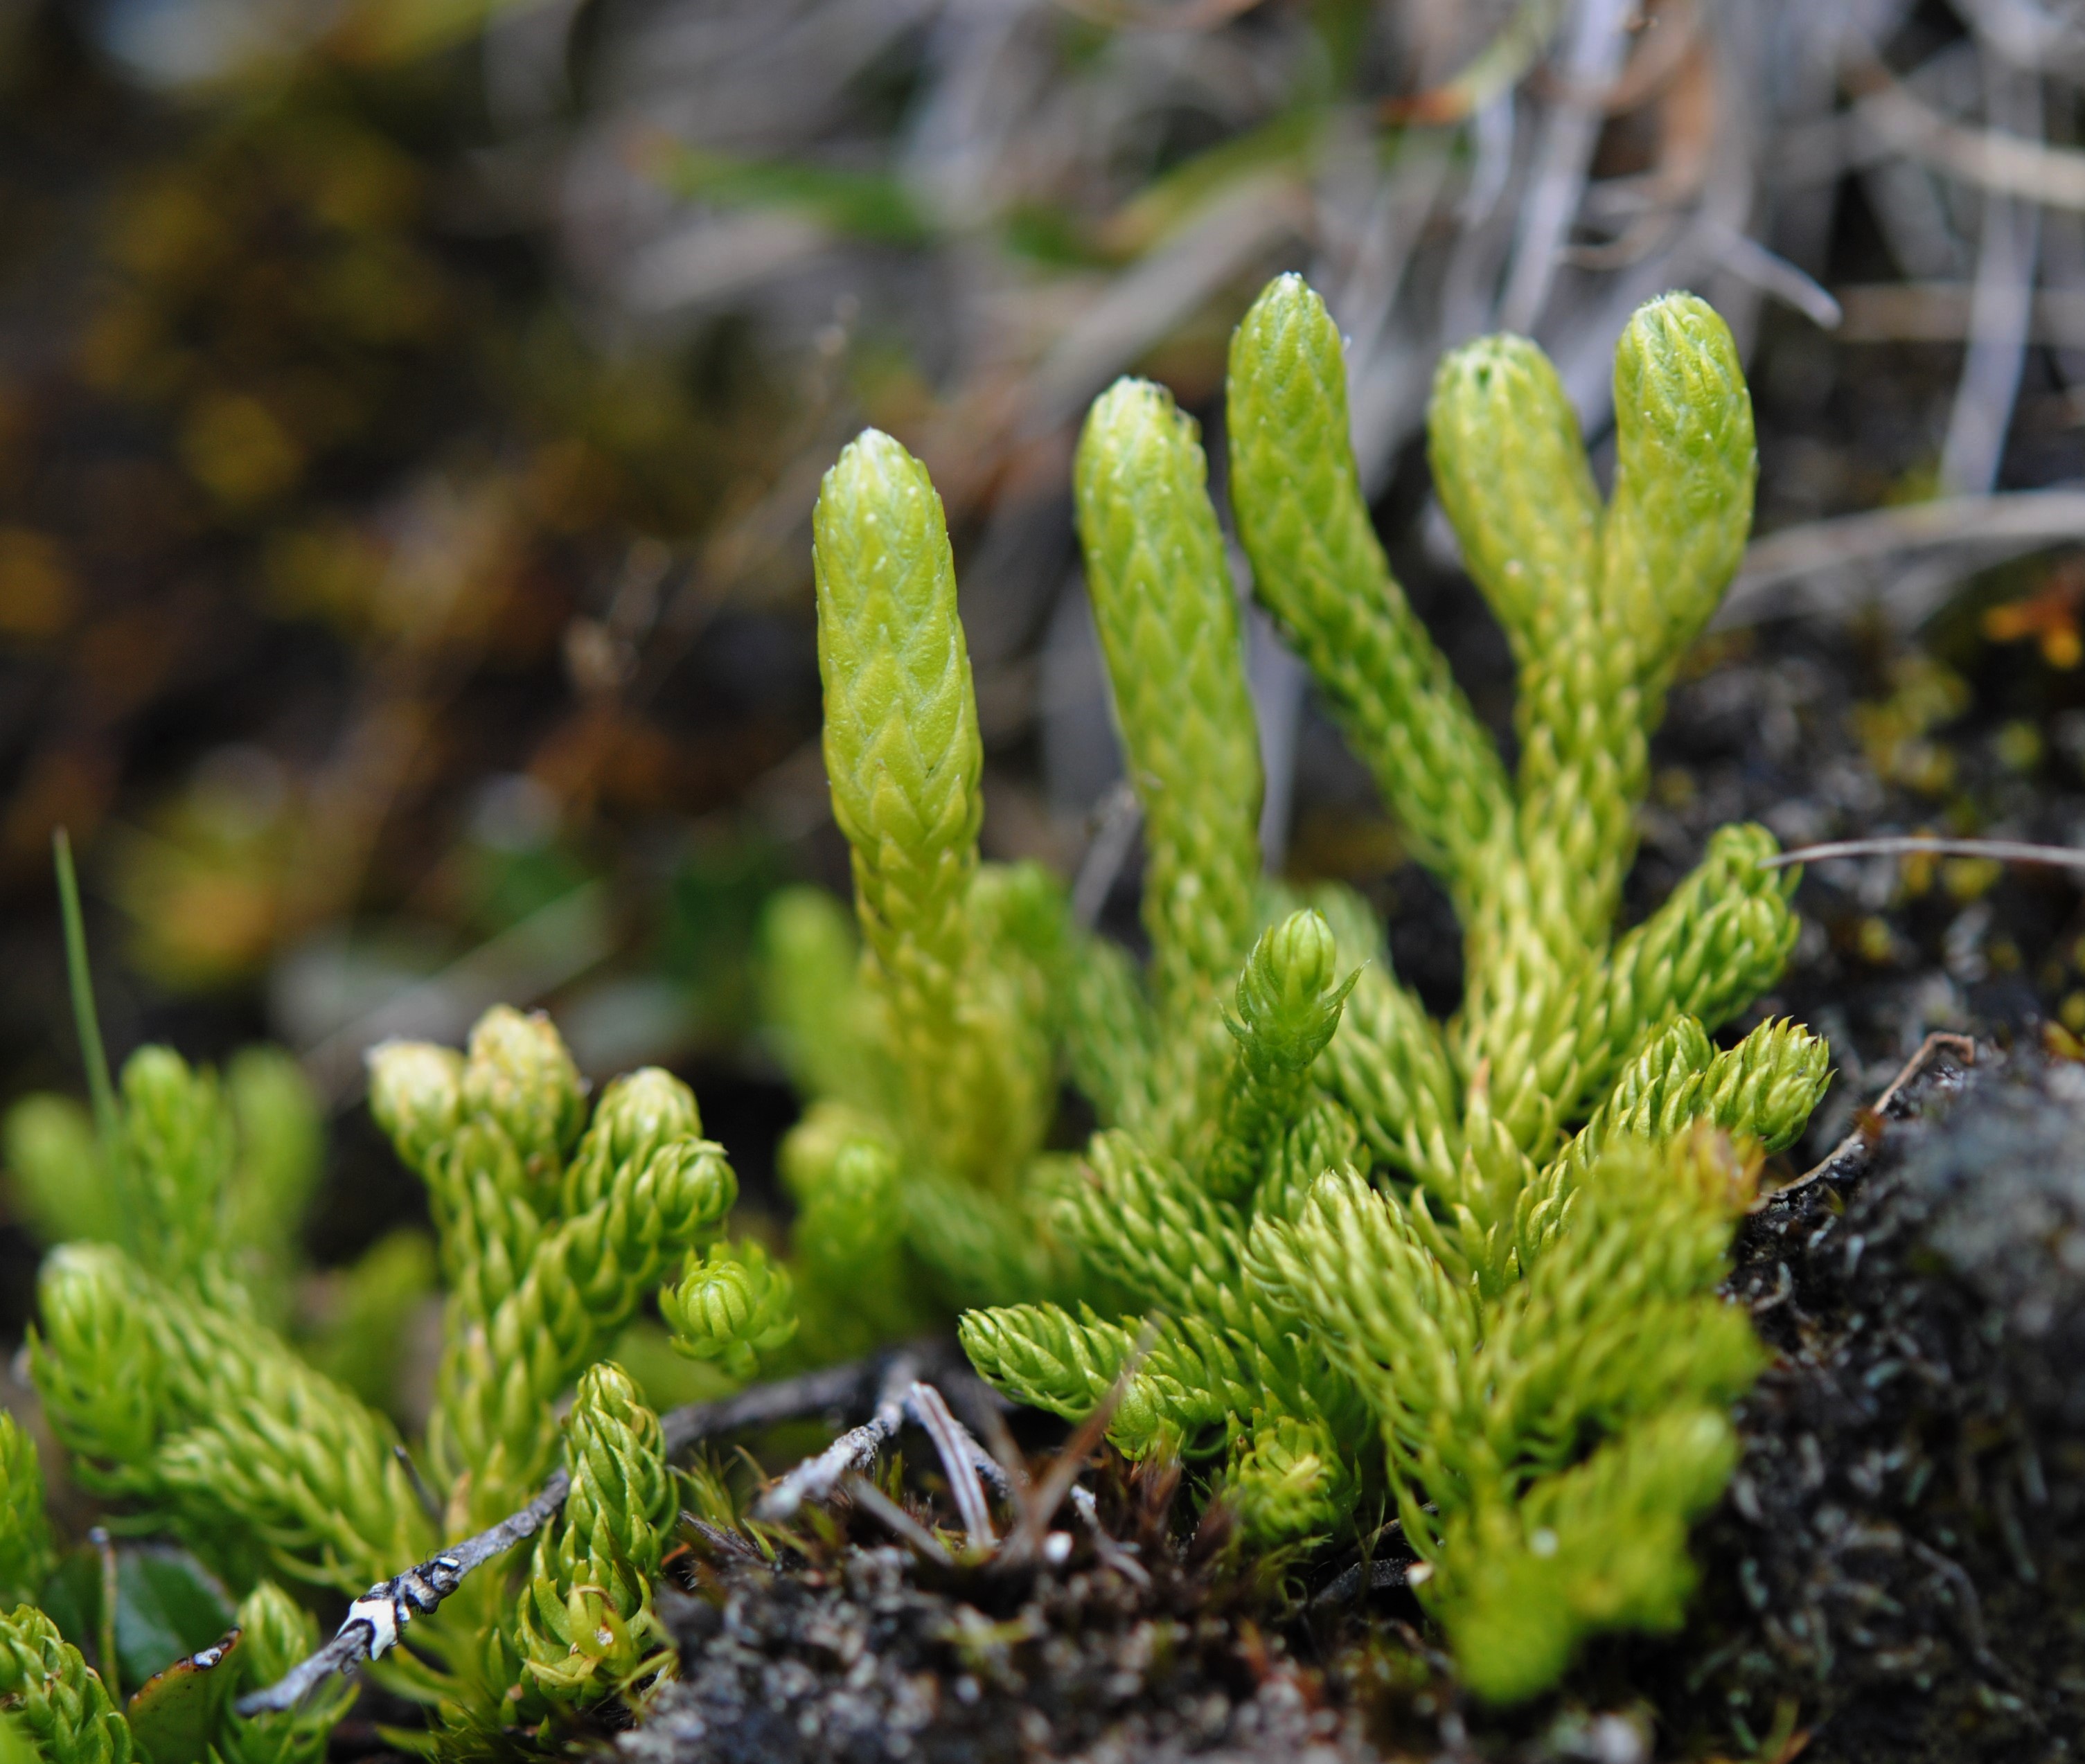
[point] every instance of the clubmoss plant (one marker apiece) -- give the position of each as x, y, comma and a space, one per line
732, 1306
929, 1047
207, 1180
55, 1698
67, 1710
180, 1403
204, 1167
1465, 1266
585, 1621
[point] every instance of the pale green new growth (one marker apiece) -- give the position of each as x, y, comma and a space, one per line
1169, 626
1296, 498
902, 747
546, 1261
732, 1306
205, 1176
517, 1077
930, 1054
1288, 1009
282, 1147
904, 757
55, 1697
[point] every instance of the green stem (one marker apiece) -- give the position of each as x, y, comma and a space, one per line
106, 1122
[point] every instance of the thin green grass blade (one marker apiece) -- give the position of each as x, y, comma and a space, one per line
100, 1089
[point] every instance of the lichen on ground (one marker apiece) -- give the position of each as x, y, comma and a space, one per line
862, 1659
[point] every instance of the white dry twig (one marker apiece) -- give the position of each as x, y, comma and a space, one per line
374, 1620
961, 1457
1821, 566
816, 1477
1918, 845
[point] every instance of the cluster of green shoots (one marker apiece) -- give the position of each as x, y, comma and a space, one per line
1351, 1261
164, 1371
121, 1188
1463, 1270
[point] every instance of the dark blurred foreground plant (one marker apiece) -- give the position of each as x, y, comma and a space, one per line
1358, 1256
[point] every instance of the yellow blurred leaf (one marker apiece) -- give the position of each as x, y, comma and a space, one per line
37, 592
233, 447
375, 31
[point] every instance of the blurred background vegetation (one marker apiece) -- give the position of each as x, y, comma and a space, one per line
410, 412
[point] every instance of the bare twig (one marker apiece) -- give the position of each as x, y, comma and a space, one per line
834, 1387
1026, 1537
1743, 256
1363, 1577
1778, 569
1014, 1482
2002, 305
1918, 845
1960, 1045
1856, 1143
1596, 42
817, 1478
1116, 1555
987, 1464
374, 1620
1940, 312
1992, 160
959, 1456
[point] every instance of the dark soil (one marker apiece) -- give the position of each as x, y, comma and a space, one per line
1826, 733
1905, 1538
863, 1659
